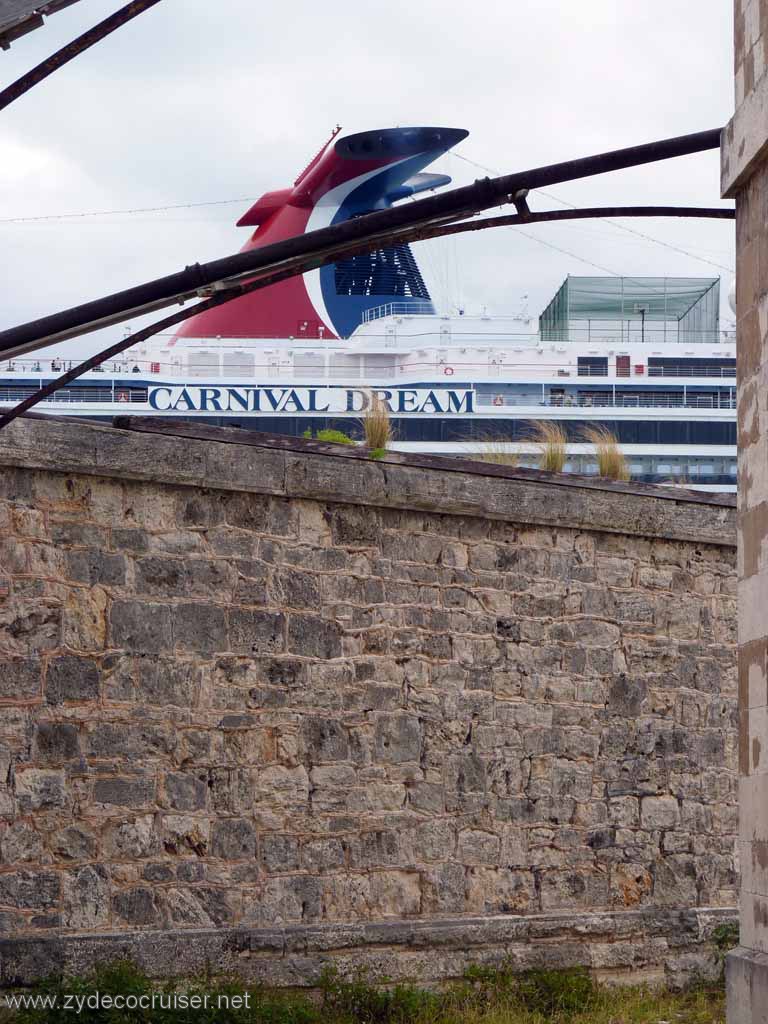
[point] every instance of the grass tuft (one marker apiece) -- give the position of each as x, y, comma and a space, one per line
493, 448
377, 425
610, 458
551, 439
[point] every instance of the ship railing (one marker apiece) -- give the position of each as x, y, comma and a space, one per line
118, 393
608, 401
633, 332
701, 370
416, 308
46, 366
498, 362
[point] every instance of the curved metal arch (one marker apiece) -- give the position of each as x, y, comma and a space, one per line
300, 264
585, 213
67, 53
361, 235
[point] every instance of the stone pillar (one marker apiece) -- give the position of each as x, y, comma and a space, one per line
745, 178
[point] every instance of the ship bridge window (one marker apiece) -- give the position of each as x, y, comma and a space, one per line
390, 271
203, 364
308, 364
238, 364
593, 366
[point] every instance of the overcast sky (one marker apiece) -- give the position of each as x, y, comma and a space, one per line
199, 101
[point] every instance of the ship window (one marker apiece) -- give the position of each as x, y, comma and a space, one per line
590, 366
379, 366
680, 367
391, 272
203, 364
238, 364
340, 365
308, 364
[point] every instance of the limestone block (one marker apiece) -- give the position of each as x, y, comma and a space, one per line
395, 893
233, 839
256, 632
30, 890
659, 812
397, 738
74, 843
184, 834
86, 898
140, 627
323, 739
20, 842
124, 792
21, 679
137, 906
132, 839
56, 743
38, 789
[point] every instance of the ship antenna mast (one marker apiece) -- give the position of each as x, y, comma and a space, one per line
317, 156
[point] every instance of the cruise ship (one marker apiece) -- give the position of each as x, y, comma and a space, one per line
643, 357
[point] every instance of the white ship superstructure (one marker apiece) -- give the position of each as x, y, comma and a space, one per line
644, 357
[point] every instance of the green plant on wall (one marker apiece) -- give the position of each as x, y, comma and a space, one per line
725, 938
330, 436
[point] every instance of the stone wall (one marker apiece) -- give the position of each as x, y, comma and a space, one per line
745, 177
266, 703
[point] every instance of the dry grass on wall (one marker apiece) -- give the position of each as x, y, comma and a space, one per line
495, 450
377, 425
611, 462
551, 440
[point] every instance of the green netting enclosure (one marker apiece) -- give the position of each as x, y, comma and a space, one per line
634, 309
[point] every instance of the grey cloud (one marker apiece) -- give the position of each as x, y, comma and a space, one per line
196, 101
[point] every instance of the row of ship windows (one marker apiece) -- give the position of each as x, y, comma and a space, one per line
305, 365
436, 430
651, 399
675, 366
649, 466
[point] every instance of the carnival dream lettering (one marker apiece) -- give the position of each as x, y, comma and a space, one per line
289, 400
279, 400
413, 400
292, 401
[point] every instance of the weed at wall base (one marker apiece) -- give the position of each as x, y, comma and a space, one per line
486, 995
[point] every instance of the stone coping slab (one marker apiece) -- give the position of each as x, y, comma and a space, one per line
426, 950
223, 458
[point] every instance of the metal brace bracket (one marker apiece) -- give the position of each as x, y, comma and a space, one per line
520, 199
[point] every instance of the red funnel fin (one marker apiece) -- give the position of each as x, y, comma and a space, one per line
269, 203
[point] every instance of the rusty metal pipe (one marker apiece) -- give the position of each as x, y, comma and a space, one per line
74, 49
312, 248
296, 268
588, 212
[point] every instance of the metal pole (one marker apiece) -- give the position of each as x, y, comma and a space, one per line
108, 353
166, 291
72, 50
401, 223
